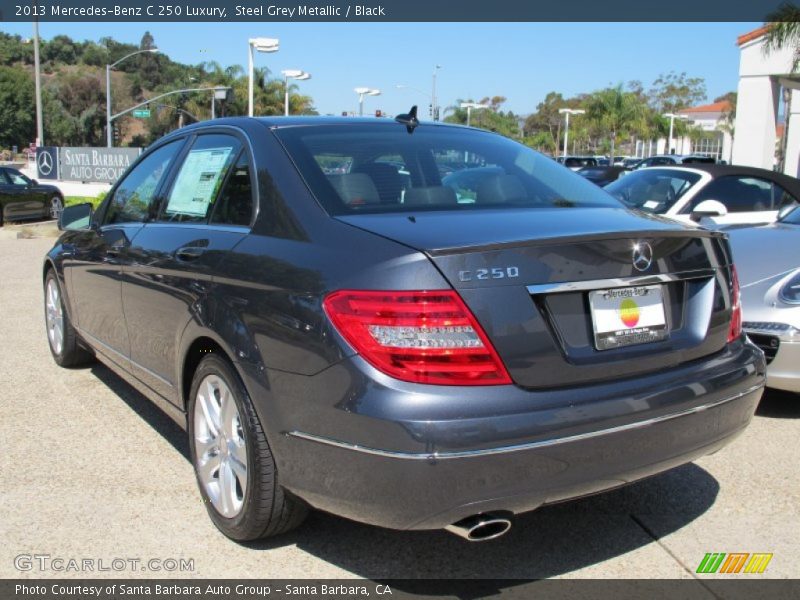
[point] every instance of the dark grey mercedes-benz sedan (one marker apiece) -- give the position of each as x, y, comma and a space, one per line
341, 323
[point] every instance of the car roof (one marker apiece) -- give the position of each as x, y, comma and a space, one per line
299, 121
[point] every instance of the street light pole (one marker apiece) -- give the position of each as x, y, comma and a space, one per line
434, 108
38, 77
109, 117
567, 112
364, 91
672, 117
469, 106
291, 74
262, 45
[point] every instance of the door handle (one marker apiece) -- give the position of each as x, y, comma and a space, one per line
189, 253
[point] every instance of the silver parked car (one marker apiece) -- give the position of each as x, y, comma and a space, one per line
768, 264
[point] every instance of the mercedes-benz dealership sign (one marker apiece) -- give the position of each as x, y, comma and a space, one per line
47, 162
96, 165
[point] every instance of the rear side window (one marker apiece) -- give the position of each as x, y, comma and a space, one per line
135, 196
200, 178
235, 203
357, 168
743, 194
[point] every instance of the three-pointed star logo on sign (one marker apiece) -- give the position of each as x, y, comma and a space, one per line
45, 162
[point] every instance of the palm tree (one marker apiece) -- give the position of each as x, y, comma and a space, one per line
783, 30
616, 111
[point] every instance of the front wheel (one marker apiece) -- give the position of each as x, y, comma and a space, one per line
233, 462
61, 335
56, 206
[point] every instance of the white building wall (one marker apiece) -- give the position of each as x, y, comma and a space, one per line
792, 164
757, 106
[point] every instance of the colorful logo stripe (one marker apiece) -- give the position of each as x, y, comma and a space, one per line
734, 562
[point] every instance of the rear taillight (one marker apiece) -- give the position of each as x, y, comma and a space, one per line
423, 337
735, 330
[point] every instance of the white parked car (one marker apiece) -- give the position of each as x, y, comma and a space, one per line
712, 195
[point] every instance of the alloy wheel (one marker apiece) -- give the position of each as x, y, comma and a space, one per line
55, 316
220, 449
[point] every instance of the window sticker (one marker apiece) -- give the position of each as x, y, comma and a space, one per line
198, 182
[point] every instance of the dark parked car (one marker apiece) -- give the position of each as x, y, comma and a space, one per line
666, 160
391, 355
602, 175
24, 198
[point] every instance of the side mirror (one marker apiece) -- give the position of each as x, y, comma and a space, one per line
74, 217
708, 208
34, 182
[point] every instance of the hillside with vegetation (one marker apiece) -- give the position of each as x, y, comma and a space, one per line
74, 91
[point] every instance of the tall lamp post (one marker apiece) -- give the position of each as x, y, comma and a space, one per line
672, 117
469, 106
434, 102
567, 112
108, 90
362, 92
257, 45
287, 75
38, 78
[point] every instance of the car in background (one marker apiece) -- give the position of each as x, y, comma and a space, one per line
661, 160
602, 176
23, 198
392, 355
768, 263
578, 162
631, 162
713, 195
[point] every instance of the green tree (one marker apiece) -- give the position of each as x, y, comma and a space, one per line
16, 107
616, 112
675, 91
783, 30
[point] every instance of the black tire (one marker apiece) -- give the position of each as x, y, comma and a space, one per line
267, 509
71, 353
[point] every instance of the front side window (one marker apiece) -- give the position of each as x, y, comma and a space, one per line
653, 190
135, 196
382, 168
200, 178
17, 178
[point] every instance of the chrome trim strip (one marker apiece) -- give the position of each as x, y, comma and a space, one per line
519, 447
97, 342
602, 284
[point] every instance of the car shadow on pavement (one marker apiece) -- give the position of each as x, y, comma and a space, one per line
777, 404
551, 541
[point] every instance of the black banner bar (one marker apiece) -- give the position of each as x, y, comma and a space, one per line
386, 10
743, 587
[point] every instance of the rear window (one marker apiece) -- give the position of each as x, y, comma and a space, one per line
357, 168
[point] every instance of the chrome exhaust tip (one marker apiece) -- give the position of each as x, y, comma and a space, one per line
481, 528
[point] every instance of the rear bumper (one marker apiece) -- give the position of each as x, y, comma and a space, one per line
357, 444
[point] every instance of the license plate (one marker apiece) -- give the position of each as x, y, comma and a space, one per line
627, 316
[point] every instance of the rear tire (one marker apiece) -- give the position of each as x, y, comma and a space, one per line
61, 336
235, 469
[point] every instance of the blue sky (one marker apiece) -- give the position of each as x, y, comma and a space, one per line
522, 61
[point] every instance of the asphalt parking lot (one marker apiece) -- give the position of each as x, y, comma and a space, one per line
90, 469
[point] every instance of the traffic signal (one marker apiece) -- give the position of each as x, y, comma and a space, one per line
430, 110
116, 133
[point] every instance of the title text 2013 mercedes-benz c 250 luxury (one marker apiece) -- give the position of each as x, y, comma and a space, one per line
341, 323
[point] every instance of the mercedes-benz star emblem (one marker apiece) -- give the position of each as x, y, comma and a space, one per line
45, 161
642, 256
